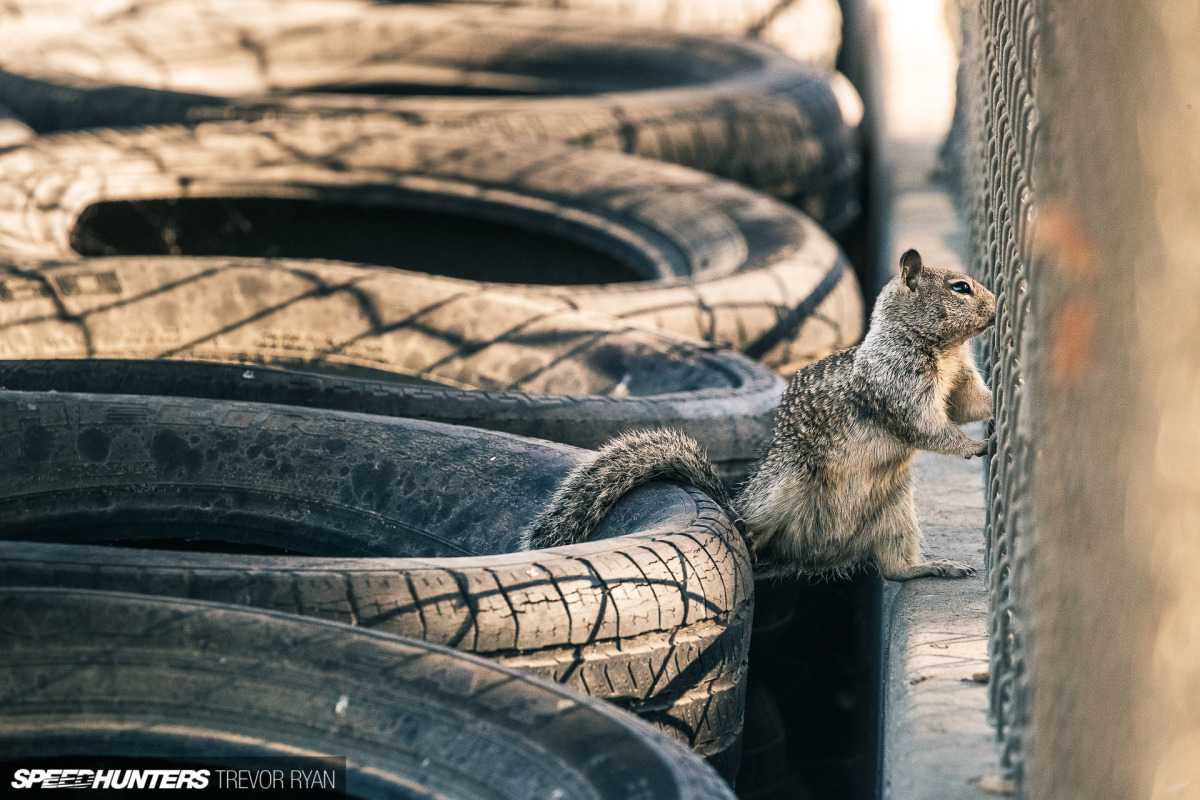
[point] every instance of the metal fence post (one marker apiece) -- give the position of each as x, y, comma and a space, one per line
1114, 591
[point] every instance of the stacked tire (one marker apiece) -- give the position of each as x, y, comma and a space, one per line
411, 719
730, 107
272, 363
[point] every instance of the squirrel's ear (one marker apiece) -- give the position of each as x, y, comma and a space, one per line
910, 268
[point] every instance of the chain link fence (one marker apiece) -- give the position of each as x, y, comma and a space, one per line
1001, 40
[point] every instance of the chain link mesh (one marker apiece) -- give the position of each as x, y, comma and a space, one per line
1001, 39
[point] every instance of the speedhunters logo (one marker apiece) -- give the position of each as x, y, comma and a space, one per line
256, 778
110, 779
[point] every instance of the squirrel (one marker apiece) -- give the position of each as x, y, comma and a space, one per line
834, 489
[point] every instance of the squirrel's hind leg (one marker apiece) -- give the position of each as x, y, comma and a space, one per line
938, 568
897, 544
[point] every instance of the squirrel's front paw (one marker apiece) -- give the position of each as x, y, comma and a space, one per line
980, 448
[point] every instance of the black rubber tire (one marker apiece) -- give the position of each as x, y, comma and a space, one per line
727, 106
406, 526
807, 30
707, 258
432, 349
763, 772
23, 18
733, 423
775, 601
109, 674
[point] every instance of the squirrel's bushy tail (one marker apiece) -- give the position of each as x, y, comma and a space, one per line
630, 460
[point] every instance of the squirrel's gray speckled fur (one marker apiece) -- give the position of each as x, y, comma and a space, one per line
594, 488
834, 490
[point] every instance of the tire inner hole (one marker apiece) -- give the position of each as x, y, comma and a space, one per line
432, 242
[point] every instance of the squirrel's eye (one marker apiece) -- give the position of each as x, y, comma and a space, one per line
962, 287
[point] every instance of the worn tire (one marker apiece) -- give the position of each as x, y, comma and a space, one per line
406, 526
23, 18
107, 674
726, 106
377, 341
731, 422
807, 30
697, 256
763, 772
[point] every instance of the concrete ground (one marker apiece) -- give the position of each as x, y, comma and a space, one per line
936, 740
